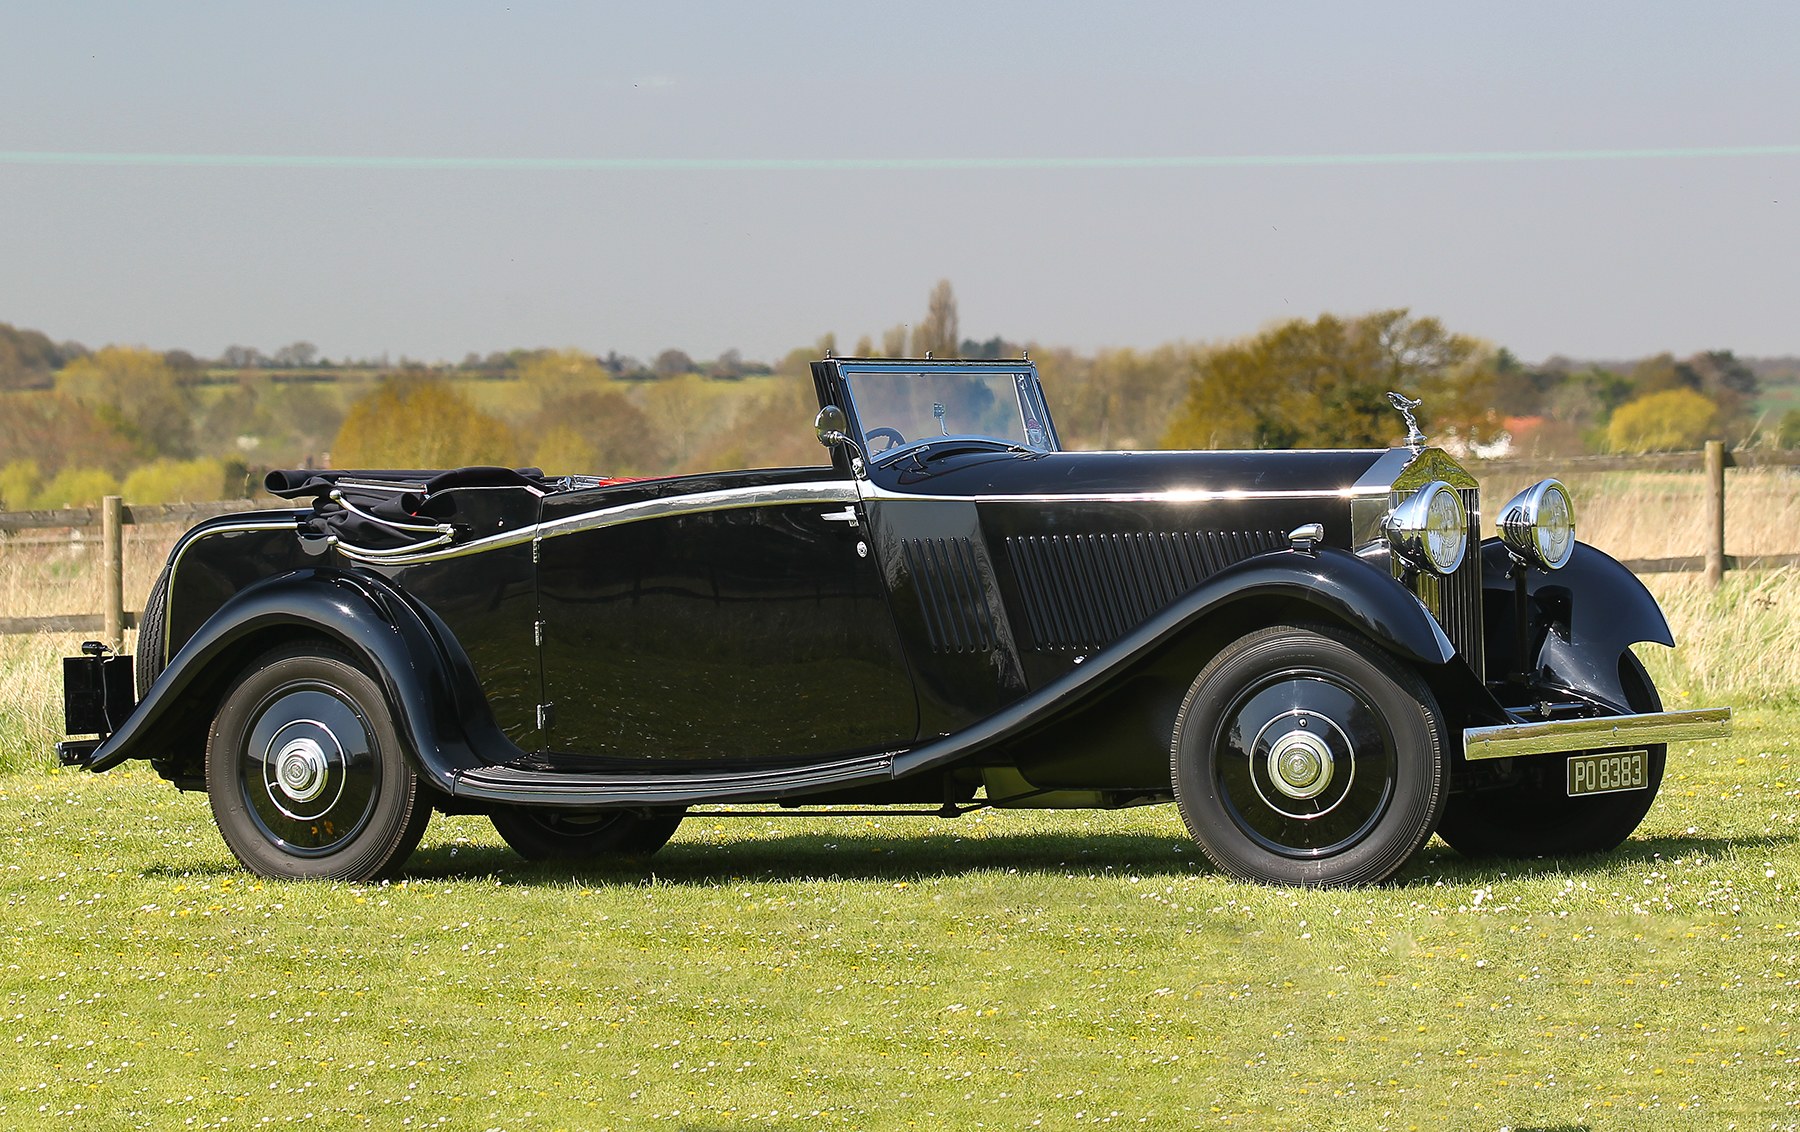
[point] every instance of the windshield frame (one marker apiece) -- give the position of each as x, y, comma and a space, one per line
1028, 401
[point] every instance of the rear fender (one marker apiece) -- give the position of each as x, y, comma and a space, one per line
437, 705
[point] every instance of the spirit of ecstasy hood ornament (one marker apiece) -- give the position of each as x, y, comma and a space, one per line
1415, 439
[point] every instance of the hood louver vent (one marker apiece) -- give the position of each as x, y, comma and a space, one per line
1083, 592
957, 618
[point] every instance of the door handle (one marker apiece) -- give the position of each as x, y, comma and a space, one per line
847, 515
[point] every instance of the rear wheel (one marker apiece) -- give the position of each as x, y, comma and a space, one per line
541, 834
152, 632
1535, 817
305, 772
1306, 755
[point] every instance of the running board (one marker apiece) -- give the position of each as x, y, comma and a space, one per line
598, 791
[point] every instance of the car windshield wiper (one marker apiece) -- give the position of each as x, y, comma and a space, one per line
945, 446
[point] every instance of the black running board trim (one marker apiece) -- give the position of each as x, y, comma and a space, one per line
596, 791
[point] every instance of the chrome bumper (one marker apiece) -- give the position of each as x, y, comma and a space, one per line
1558, 735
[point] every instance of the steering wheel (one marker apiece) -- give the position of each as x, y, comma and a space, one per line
891, 435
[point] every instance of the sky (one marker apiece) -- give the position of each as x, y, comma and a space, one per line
1602, 180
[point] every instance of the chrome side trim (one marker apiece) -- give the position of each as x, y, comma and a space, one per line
727, 499
373, 555
192, 537
875, 492
1559, 735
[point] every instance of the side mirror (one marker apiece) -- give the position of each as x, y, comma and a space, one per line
832, 427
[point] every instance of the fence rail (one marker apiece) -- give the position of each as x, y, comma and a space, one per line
114, 514
111, 517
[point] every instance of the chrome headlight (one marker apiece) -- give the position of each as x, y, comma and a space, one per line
1538, 525
1431, 529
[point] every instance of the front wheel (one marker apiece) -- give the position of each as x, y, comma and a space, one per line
305, 773
542, 834
1308, 756
1534, 815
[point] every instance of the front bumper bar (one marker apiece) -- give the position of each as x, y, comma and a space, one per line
1558, 735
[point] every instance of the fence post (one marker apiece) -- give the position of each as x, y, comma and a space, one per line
1715, 513
112, 539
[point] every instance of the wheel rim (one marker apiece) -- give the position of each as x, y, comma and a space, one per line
1304, 763
309, 771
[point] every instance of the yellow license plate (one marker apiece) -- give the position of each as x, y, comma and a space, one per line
1609, 772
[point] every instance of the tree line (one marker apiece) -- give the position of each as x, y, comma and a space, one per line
166, 427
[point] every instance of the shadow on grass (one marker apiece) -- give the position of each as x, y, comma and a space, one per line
913, 857
846, 856
1438, 862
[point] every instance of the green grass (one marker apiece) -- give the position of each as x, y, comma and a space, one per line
1003, 971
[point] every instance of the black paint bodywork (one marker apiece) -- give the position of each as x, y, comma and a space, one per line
878, 630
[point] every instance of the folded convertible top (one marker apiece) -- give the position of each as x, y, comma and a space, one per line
301, 482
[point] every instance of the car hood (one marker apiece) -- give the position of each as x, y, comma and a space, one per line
992, 474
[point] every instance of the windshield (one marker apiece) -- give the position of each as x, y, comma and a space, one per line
897, 408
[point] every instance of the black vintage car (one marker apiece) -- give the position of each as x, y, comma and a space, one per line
1309, 652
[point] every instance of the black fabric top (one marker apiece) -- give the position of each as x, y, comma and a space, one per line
293, 484
384, 494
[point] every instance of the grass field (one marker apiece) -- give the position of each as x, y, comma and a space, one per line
1001, 971
1006, 970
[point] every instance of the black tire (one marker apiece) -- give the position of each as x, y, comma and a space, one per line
1306, 755
147, 664
305, 770
1535, 817
542, 834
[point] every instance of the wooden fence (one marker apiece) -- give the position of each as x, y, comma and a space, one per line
113, 516
110, 519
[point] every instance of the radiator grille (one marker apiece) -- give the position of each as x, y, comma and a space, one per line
1082, 592
951, 600
1455, 600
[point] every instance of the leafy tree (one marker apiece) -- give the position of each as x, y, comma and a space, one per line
298, 355
550, 374
77, 487
1116, 398
176, 481
54, 429
420, 422
242, 357
139, 393
1787, 433
772, 431
938, 335
1671, 420
994, 348
728, 366
596, 431
1324, 384
673, 363
893, 342
28, 358
20, 482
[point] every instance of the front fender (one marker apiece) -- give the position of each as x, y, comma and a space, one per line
1336, 583
421, 669
1581, 619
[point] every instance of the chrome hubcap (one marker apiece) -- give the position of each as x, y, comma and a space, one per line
1300, 764
301, 770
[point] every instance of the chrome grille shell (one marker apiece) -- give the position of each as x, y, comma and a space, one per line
1453, 600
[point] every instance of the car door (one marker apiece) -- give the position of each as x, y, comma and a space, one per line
717, 619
